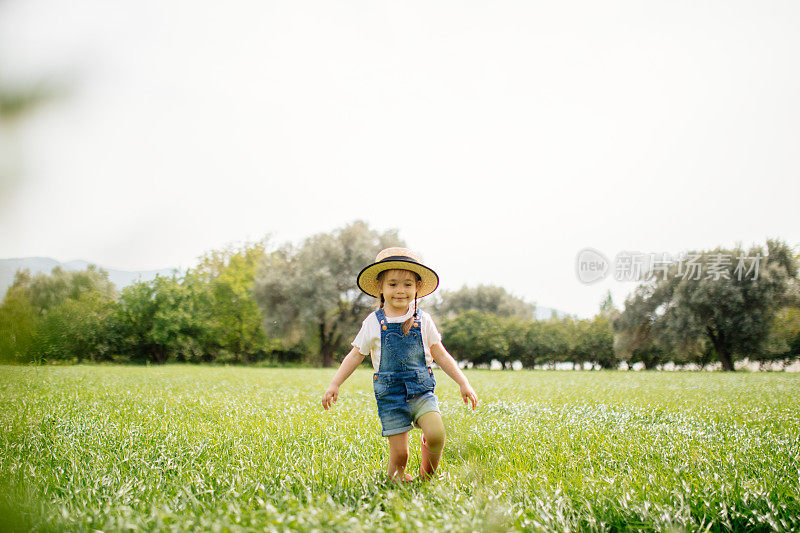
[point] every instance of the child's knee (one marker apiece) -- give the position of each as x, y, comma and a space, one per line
434, 440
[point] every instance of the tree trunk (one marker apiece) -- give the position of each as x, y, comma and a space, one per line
159, 355
726, 360
242, 352
704, 358
723, 353
328, 342
326, 353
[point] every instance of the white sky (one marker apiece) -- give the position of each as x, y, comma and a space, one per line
499, 137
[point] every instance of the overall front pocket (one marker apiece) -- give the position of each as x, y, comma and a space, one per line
429, 382
380, 387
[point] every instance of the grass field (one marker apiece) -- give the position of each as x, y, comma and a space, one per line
230, 449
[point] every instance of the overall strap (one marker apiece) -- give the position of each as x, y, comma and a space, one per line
383, 322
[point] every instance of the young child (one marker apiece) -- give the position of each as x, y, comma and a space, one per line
402, 341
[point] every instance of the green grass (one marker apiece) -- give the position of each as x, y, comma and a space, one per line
229, 449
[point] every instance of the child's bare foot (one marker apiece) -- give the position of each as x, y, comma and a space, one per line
406, 478
426, 476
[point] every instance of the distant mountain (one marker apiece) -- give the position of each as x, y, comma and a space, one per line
544, 313
120, 278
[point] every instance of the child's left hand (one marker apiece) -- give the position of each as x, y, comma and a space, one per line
330, 396
469, 396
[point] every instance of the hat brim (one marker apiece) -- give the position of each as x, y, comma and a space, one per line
367, 279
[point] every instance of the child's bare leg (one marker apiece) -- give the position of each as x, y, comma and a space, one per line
432, 443
398, 456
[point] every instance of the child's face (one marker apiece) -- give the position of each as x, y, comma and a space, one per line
399, 288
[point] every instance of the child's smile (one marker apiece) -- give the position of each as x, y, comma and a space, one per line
399, 288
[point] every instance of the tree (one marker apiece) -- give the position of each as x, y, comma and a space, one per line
18, 326
47, 291
310, 290
567, 330
595, 342
607, 307
77, 328
597, 335
181, 321
716, 304
521, 341
58, 315
636, 340
164, 320
477, 337
536, 342
237, 322
784, 341
484, 298
133, 322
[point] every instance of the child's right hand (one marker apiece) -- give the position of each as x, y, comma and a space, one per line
330, 396
469, 396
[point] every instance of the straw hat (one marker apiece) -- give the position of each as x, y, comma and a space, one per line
401, 258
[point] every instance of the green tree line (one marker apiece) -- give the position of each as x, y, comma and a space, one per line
297, 304
722, 305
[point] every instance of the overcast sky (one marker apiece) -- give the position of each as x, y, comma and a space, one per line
500, 138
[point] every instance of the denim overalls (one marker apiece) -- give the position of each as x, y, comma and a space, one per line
404, 384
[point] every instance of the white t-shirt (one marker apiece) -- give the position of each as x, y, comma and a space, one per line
368, 340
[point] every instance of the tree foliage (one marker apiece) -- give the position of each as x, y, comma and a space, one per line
309, 292
483, 298
236, 322
637, 340
208, 315
18, 326
47, 291
63, 314
712, 312
477, 337
164, 320
480, 338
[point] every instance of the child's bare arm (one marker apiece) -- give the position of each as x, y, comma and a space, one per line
349, 364
450, 367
